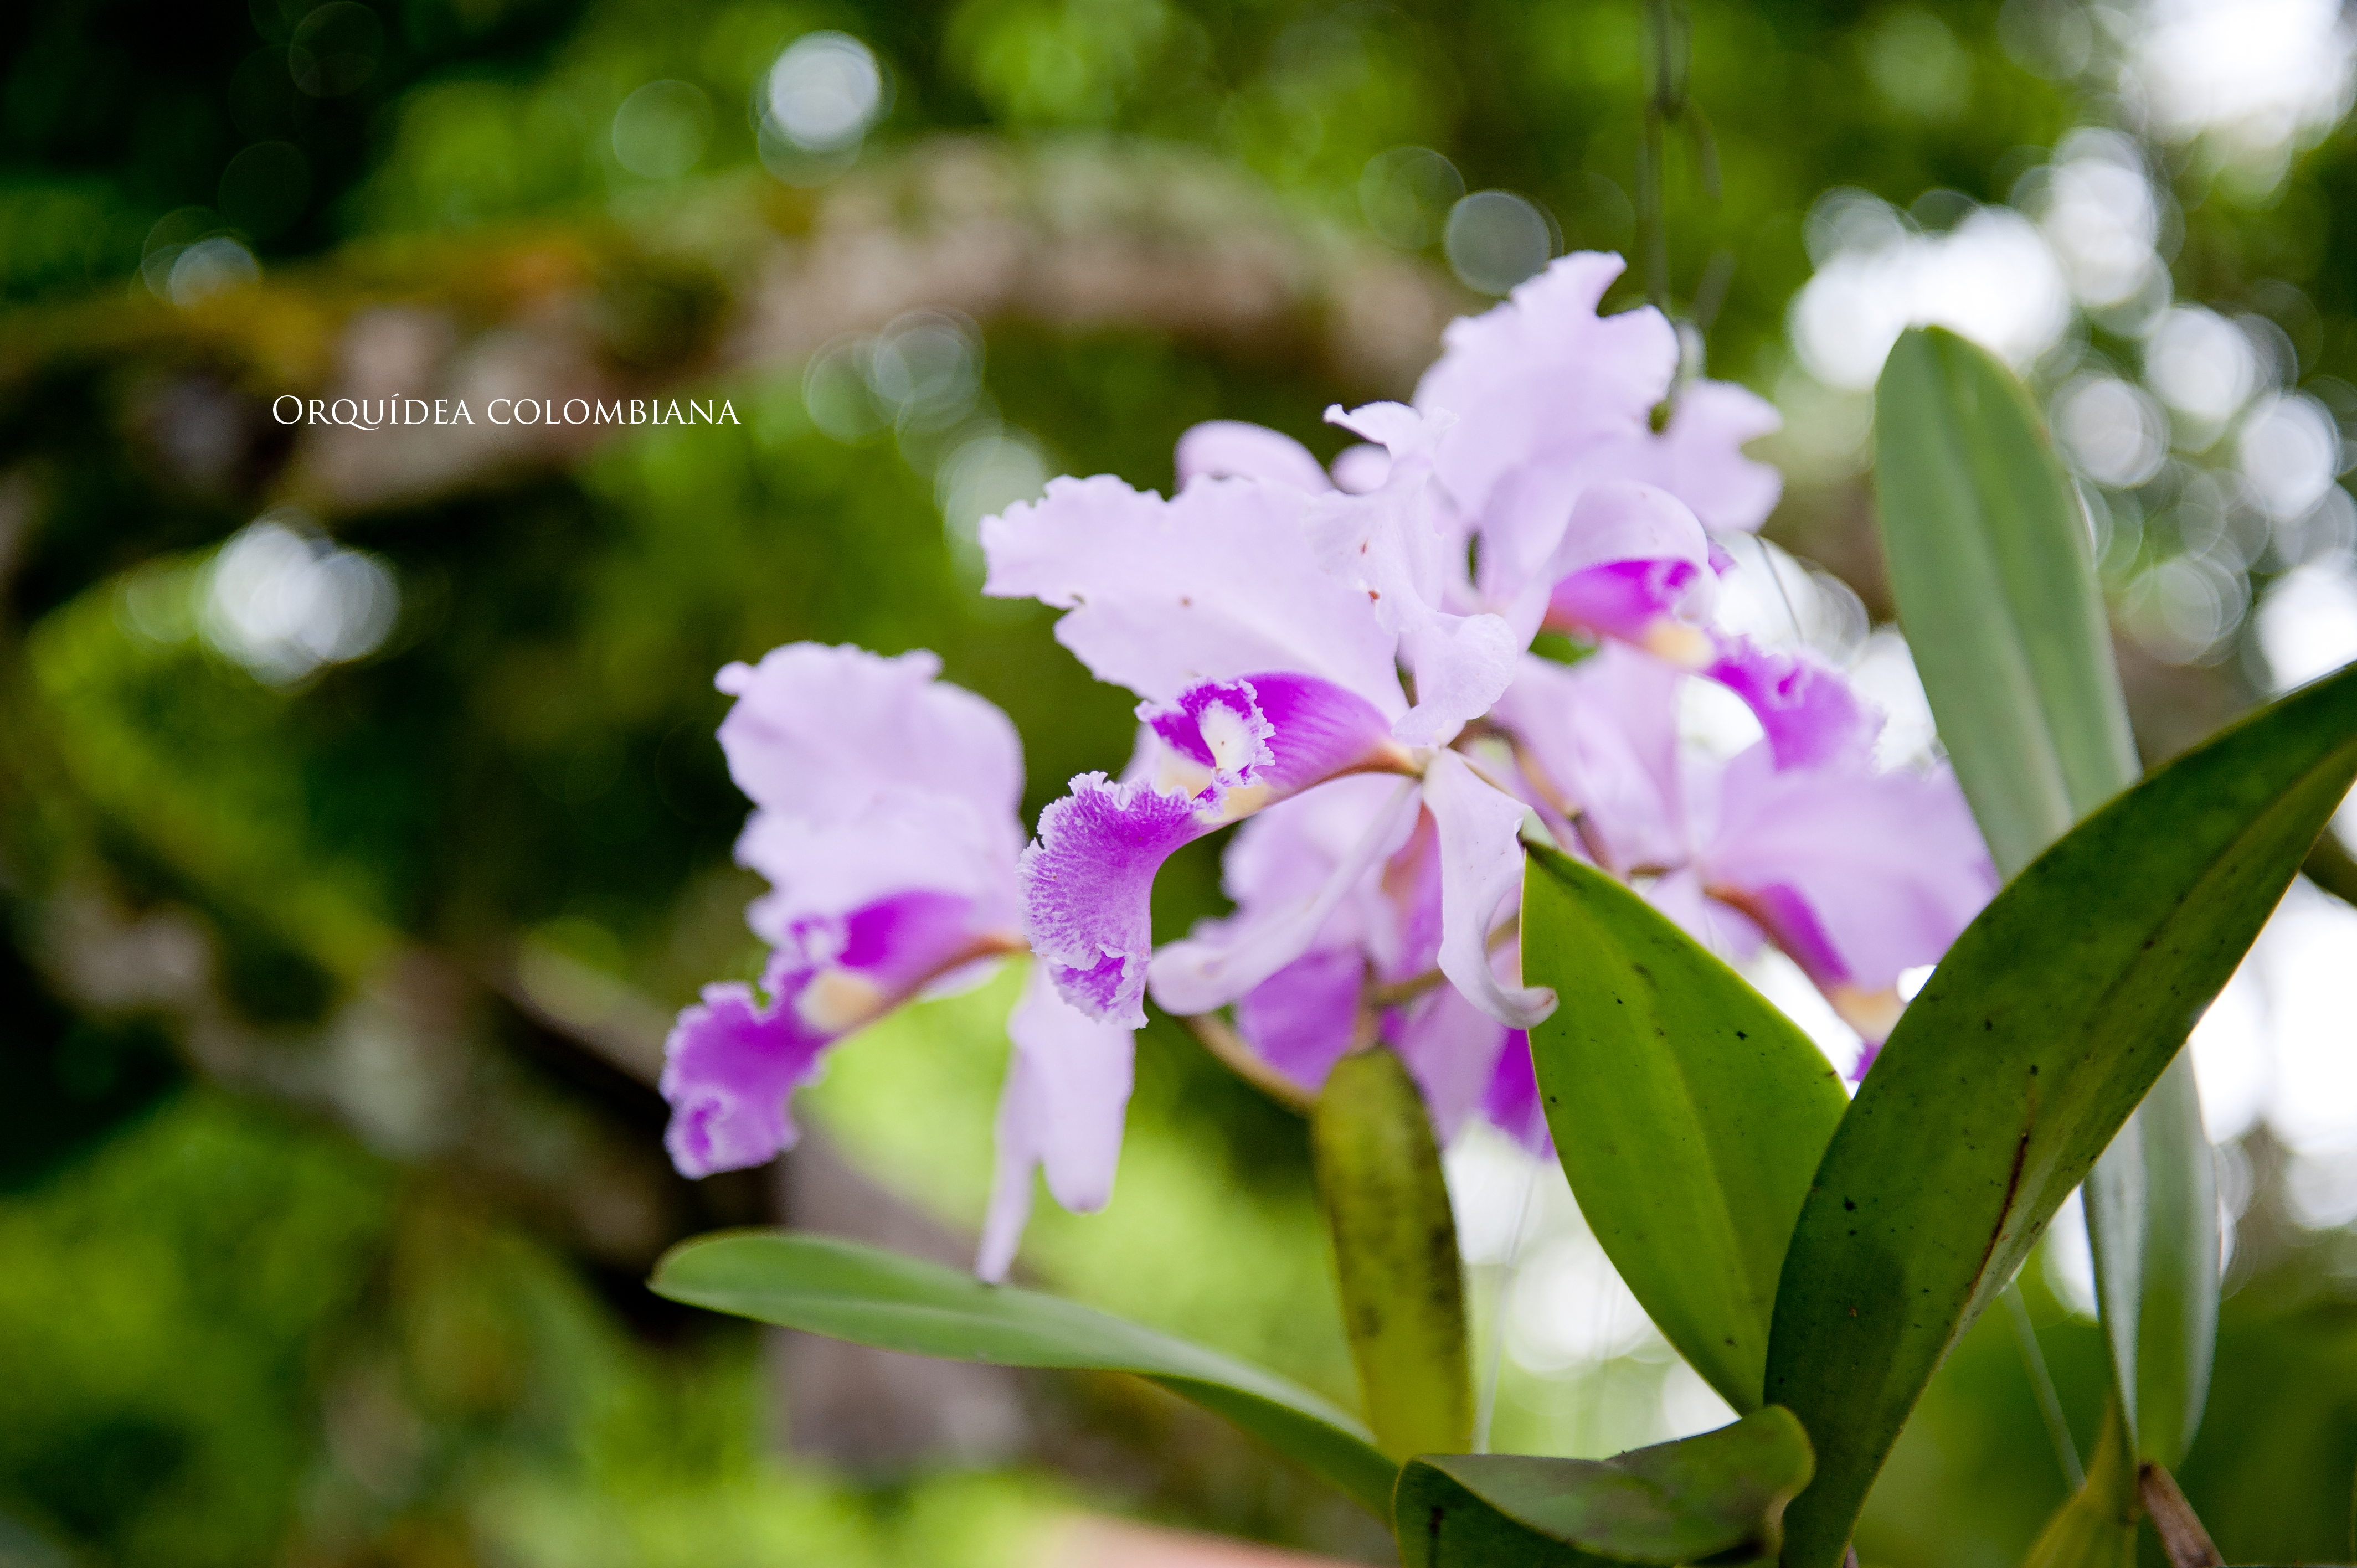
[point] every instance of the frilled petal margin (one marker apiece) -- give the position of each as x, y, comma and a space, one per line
1088, 884
1067, 1090
1233, 449
1811, 716
729, 1065
1480, 874
1088, 880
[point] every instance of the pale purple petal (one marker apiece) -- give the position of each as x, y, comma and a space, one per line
1812, 716
820, 733
1221, 961
1232, 449
1543, 371
1723, 929
1623, 520
1551, 399
1362, 469
1264, 736
1512, 1102
1480, 879
1219, 582
1068, 1083
902, 842
729, 1064
1858, 876
1700, 455
1389, 547
1650, 604
1451, 1049
1601, 737
1088, 885
1302, 1018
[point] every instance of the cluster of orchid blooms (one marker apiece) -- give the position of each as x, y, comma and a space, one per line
1341, 664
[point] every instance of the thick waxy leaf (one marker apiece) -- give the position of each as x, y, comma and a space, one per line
2152, 1223
1688, 1111
1719, 1496
1990, 568
2045, 1025
1996, 588
870, 1296
1402, 1281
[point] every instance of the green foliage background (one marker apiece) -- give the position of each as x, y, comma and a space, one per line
245, 1317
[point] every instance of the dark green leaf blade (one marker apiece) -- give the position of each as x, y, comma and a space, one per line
1403, 1281
870, 1296
1721, 1496
1688, 1111
2037, 1035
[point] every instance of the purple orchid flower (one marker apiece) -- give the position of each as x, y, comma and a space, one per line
1265, 626
885, 819
1855, 875
1373, 968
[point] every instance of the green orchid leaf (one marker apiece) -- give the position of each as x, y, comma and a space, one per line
2096, 1528
1996, 589
2152, 1224
1403, 1283
2047, 1023
1721, 1496
1688, 1111
870, 1296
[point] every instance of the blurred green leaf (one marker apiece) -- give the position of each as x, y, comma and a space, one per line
1719, 1496
1996, 589
1403, 1284
2152, 1223
2097, 1527
1989, 565
1688, 1113
870, 1296
2049, 1020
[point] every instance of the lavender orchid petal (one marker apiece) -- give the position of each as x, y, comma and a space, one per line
1541, 372
1512, 1102
1219, 582
1700, 455
1858, 876
1221, 961
1302, 1018
1480, 876
1232, 449
729, 1064
819, 733
1362, 469
1812, 716
1088, 883
1451, 1049
1068, 1083
1385, 545
1599, 740
1633, 564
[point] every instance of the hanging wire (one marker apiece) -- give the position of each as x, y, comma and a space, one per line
2042, 1383
1485, 1400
